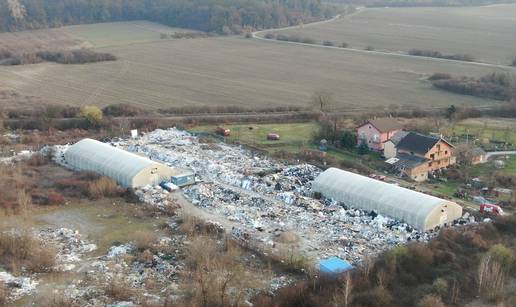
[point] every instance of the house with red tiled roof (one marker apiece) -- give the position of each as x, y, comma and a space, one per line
375, 132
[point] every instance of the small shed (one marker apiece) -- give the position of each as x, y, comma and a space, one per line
183, 177
334, 266
478, 156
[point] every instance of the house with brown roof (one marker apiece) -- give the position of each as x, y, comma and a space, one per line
375, 132
415, 155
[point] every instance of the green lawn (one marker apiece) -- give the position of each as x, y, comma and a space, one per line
480, 132
487, 168
293, 136
446, 188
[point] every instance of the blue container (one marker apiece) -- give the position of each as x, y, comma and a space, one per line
334, 266
183, 180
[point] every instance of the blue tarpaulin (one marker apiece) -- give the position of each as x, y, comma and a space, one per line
334, 265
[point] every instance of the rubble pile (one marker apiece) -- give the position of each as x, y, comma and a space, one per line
17, 286
23, 155
69, 244
155, 196
122, 263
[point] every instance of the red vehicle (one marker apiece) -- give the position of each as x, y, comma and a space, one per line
223, 131
490, 209
273, 137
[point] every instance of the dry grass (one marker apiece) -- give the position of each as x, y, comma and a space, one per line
21, 250
259, 75
448, 30
144, 239
103, 187
119, 289
218, 277
3, 294
30, 41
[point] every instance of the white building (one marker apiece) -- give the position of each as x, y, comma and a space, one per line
128, 169
420, 210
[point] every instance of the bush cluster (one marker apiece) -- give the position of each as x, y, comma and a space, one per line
496, 86
437, 54
21, 250
80, 56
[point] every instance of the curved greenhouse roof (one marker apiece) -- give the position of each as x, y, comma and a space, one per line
417, 209
128, 169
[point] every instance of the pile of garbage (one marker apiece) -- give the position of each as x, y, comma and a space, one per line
69, 244
22, 155
265, 197
17, 286
156, 196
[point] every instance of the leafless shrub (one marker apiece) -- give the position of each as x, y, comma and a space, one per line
490, 277
188, 35
439, 76
103, 187
122, 109
497, 86
218, 278
144, 239
23, 199
50, 299
437, 54
430, 301
80, 56
37, 160
342, 296
118, 289
3, 294
190, 225
55, 199
19, 250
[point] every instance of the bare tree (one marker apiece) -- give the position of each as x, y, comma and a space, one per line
323, 101
490, 276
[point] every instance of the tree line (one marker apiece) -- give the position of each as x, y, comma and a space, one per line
80, 56
420, 3
223, 16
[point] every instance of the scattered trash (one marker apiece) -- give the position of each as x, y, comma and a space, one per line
17, 286
263, 196
69, 243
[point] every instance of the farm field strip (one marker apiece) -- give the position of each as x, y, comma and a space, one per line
480, 31
237, 72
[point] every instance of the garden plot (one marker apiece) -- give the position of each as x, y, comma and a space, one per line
264, 199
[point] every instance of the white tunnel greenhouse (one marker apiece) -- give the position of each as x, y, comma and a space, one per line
128, 169
420, 210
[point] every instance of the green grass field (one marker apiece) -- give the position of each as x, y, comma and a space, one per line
483, 31
488, 168
486, 129
293, 136
227, 71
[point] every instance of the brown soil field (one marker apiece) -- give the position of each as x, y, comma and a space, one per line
485, 32
158, 73
31, 41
